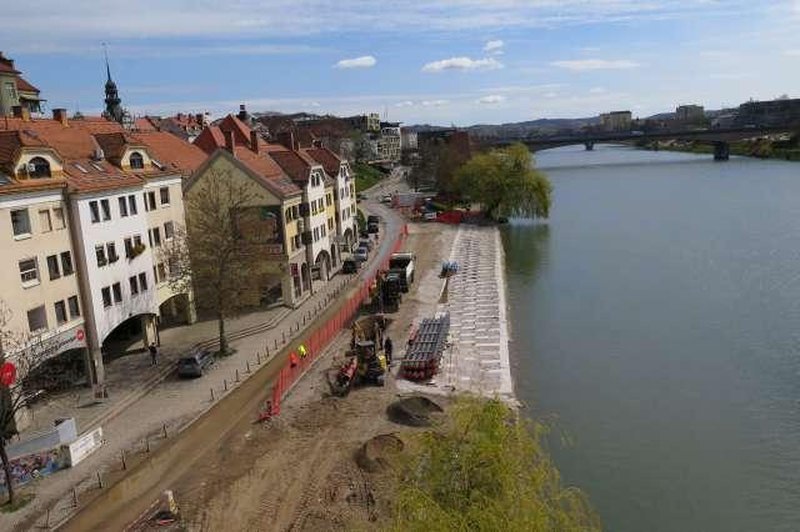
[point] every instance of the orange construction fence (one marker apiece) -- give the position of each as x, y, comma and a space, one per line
319, 338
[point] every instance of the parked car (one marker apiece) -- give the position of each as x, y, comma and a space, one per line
195, 363
373, 219
361, 254
373, 228
430, 216
350, 266
386, 199
367, 243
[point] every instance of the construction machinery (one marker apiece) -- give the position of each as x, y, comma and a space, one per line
366, 361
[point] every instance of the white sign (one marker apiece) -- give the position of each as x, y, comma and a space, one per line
85, 445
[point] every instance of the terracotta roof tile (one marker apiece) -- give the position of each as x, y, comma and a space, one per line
24, 86
210, 139
171, 151
293, 164
329, 160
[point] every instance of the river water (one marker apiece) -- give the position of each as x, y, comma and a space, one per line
655, 322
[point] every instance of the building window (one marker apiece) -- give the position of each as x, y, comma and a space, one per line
128, 247
164, 192
161, 272
112, 252
156, 237
143, 281
20, 222
134, 285
123, 206
106, 208
61, 312
28, 272
37, 319
132, 205
45, 223
169, 230
38, 167
100, 253
74, 309
149, 201
106, 291
66, 263
52, 267
94, 211
137, 241
117, 290
136, 160
58, 218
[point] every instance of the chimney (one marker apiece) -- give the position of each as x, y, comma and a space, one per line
287, 139
230, 143
243, 116
60, 115
199, 119
254, 140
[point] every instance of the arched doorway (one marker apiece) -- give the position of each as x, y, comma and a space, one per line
348, 239
130, 337
323, 262
174, 311
305, 276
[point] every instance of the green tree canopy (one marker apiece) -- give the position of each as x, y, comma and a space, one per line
485, 470
505, 183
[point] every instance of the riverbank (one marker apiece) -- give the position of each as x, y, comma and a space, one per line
756, 150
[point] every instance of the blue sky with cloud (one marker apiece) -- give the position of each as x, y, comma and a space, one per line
438, 61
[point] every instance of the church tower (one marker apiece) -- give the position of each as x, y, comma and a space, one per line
114, 109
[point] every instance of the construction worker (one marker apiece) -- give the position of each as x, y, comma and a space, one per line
302, 350
387, 347
293, 359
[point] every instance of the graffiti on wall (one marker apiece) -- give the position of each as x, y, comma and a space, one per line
35, 465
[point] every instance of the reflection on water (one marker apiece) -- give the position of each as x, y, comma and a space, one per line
656, 315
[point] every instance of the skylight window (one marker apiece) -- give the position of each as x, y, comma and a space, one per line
98, 166
157, 164
81, 168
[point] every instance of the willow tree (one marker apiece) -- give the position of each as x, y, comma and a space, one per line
505, 183
484, 469
217, 254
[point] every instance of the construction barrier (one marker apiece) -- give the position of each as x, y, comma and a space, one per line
320, 337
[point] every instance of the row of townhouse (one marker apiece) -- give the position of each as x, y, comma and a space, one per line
84, 207
309, 193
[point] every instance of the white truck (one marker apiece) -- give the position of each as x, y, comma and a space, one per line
402, 263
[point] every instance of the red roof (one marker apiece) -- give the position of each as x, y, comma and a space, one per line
210, 139
24, 86
7, 65
77, 142
294, 165
329, 160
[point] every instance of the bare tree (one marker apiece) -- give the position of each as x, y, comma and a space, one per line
218, 254
25, 352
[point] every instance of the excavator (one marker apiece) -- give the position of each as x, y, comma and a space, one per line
366, 361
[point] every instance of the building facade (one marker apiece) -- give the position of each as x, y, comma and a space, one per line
616, 121
17, 95
690, 114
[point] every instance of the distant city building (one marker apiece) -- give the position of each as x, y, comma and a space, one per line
368, 123
17, 96
113, 110
408, 140
388, 143
616, 121
183, 125
783, 111
690, 113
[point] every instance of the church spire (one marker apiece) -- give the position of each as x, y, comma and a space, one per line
113, 102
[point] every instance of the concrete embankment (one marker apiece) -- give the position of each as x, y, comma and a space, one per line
477, 360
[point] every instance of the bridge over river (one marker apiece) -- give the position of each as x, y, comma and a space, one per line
720, 138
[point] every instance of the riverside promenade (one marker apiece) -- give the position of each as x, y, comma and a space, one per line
477, 357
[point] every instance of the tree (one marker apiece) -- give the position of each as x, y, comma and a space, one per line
505, 183
485, 469
218, 254
26, 354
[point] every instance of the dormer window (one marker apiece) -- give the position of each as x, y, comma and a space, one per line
136, 161
38, 167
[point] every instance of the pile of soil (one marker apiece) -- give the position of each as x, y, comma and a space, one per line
377, 452
413, 411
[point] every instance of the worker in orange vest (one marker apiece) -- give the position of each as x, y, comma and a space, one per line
293, 359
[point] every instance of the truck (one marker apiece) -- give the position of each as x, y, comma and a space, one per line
402, 263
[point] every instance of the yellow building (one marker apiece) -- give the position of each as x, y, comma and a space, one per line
17, 96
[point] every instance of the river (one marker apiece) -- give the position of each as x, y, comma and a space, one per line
655, 323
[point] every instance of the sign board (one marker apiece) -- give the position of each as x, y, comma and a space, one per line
85, 445
43, 348
8, 374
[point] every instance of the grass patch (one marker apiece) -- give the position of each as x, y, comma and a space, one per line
20, 501
366, 176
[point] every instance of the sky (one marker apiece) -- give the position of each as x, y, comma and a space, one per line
442, 62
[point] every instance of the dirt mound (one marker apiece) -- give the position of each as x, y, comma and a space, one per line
377, 452
413, 411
